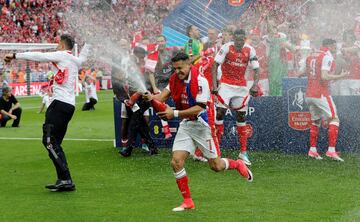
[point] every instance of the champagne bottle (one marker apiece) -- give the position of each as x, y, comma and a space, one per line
133, 98
158, 106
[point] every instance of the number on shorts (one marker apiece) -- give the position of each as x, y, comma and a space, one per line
210, 147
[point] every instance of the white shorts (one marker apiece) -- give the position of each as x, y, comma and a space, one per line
192, 134
124, 114
233, 96
323, 107
264, 84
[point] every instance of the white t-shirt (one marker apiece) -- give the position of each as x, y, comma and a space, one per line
64, 92
90, 92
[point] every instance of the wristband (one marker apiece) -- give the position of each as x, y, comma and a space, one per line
176, 113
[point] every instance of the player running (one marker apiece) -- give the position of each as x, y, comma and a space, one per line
190, 92
234, 58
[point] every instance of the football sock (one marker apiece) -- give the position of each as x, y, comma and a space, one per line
230, 164
241, 129
182, 182
333, 132
314, 133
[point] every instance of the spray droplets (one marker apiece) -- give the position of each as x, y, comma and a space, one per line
92, 25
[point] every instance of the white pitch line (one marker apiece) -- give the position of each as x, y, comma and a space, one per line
69, 139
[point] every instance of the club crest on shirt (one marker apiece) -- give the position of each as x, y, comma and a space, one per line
221, 52
200, 90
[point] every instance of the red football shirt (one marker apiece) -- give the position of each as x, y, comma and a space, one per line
234, 63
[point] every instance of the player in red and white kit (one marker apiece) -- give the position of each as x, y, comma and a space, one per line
320, 69
234, 58
190, 92
262, 55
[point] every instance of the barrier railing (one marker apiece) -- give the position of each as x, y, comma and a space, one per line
274, 123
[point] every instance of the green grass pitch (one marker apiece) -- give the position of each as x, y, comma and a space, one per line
143, 188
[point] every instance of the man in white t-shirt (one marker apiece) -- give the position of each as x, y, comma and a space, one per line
62, 107
45, 93
90, 94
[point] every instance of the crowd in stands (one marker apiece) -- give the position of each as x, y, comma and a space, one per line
144, 15
42, 21
318, 19
31, 21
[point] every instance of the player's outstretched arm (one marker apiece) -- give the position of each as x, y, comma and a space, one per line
192, 111
325, 75
84, 54
40, 56
353, 49
162, 97
169, 113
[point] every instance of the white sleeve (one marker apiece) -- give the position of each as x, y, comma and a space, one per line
168, 87
85, 51
41, 56
203, 95
253, 59
221, 55
326, 63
